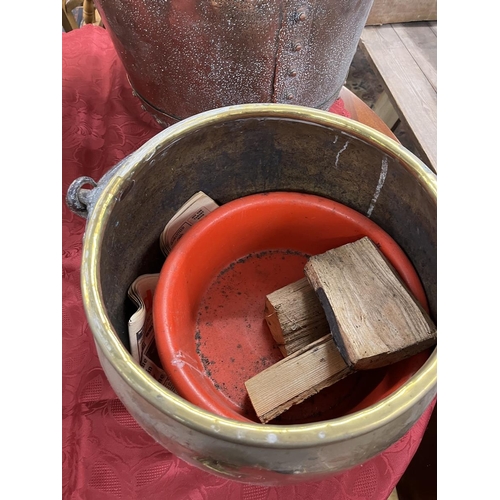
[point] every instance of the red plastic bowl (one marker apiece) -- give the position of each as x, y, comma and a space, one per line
208, 306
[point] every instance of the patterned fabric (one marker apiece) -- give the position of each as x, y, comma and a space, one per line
106, 454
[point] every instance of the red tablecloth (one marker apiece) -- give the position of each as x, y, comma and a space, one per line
106, 455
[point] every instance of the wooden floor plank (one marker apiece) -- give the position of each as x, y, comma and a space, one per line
421, 43
401, 11
412, 95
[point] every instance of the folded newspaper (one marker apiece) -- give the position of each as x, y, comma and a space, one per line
197, 207
141, 292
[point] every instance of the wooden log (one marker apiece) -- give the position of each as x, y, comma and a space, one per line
295, 316
375, 320
296, 377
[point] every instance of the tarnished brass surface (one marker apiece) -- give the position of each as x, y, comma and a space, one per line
183, 57
229, 153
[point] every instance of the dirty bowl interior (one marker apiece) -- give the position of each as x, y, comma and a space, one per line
209, 302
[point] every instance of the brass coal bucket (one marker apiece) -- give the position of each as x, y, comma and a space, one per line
229, 153
183, 57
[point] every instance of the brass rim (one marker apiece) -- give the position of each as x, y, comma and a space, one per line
419, 387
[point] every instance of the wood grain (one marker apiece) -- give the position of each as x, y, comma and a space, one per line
374, 318
295, 316
404, 64
421, 42
402, 11
295, 378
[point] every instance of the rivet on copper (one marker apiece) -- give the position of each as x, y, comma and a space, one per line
298, 46
289, 97
293, 72
302, 14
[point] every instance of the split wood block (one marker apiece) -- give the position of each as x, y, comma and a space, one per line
374, 318
296, 377
373, 310
295, 316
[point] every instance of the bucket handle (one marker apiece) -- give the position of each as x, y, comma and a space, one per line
80, 199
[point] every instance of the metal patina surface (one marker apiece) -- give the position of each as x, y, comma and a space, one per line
229, 153
183, 57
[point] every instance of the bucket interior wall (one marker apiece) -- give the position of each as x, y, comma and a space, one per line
240, 157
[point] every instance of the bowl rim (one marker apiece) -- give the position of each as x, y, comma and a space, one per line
421, 387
